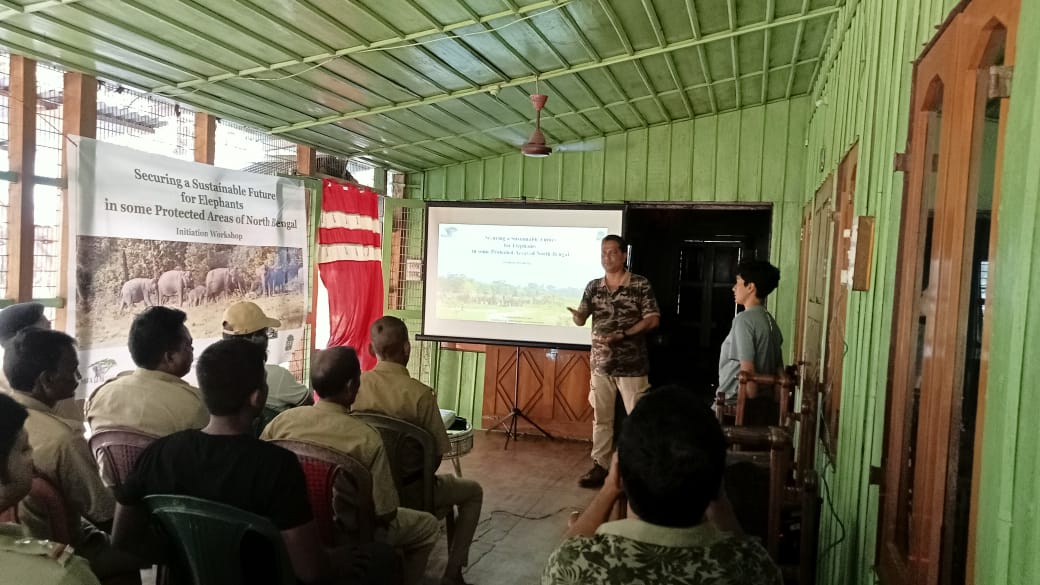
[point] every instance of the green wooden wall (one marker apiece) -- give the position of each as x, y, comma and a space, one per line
1008, 534
751, 155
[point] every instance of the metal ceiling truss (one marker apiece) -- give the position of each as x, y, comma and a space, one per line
397, 101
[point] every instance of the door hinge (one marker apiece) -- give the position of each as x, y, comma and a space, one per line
877, 475
1000, 81
901, 162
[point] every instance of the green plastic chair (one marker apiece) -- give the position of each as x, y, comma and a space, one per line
216, 544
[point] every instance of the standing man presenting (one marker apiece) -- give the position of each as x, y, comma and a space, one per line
623, 309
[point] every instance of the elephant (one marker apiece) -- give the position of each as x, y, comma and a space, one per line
219, 283
261, 280
138, 289
175, 283
196, 296
275, 280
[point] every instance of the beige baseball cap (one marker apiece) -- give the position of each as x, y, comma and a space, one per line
246, 317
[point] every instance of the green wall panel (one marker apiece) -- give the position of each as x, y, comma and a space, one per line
752, 155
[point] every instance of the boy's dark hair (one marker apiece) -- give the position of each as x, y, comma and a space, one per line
764, 275
17, 317
333, 368
259, 338
671, 456
621, 243
32, 352
12, 419
154, 332
229, 371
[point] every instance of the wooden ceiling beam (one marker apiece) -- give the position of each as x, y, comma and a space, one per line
797, 49
9, 9
655, 22
731, 16
702, 55
593, 57
642, 54
770, 14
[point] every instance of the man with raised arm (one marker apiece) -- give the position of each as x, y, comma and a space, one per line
623, 310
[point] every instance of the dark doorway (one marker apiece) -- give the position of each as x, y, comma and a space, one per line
690, 253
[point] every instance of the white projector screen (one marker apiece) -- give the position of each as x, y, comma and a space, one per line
499, 273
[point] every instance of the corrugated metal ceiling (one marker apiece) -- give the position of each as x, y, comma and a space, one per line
416, 84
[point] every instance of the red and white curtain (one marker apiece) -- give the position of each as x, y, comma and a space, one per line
349, 262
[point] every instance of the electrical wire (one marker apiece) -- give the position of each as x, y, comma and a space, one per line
830, 500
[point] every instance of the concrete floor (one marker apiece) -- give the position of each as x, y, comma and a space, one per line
529, 491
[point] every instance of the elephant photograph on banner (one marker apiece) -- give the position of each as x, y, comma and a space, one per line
117, 278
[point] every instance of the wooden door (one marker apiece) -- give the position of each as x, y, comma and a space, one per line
840, 283
934, 381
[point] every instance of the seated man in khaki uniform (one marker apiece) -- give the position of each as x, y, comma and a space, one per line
335, 376
390, 390
152, 399
20, 316
43, 368
246, 320
40, 561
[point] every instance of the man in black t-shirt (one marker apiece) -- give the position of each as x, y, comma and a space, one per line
222, 462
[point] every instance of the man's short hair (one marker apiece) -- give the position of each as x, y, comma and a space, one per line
229, 371
764, 275
621, 243
17, 317
154, 332
671, 456
333, 368
32, 352
389, 336
12, 419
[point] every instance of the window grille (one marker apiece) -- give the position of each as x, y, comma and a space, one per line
243, 148
144, 122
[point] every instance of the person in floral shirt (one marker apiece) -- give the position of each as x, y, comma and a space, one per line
680, 527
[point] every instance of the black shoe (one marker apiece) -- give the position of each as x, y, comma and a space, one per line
594, 478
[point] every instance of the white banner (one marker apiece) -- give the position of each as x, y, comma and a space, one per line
147, 229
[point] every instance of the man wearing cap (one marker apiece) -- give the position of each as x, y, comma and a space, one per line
246, 320
153, 398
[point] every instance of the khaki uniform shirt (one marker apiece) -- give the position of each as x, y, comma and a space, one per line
33, 561
330, 425
61, 454
390, 390
148, 401
613, 312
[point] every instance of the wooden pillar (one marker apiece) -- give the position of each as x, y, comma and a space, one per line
306, 160
22, 151
79, 118
205, 138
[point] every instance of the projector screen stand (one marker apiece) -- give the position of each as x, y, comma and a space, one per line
509, 421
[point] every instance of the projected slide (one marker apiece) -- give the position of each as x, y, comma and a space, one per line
501, 273
514, 274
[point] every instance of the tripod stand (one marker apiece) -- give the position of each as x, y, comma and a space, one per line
509, 421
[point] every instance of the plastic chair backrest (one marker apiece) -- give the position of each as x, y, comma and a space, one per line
116, 450
207, 538
340, 491
413, 459
44, 494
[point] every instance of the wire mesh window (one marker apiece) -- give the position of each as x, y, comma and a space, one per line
47, 201
248, 149
144, 122
5, 164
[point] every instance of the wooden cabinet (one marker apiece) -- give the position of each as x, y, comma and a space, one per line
551, 387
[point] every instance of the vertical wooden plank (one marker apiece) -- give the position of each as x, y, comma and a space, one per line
306, 158
474, 181
493, 178
704, 132
614, 168
681, 171
533, 178
205, 138
570, 175
727, 156
749, 168
775, 150
511, 176
455, 179
636, 165
79, 118
593, 171
658, 159
22, 151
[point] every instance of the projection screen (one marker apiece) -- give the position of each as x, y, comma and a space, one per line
504, 273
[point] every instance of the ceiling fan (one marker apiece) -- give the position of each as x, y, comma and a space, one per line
535, 145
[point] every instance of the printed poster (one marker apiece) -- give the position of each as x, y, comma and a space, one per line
148, 229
